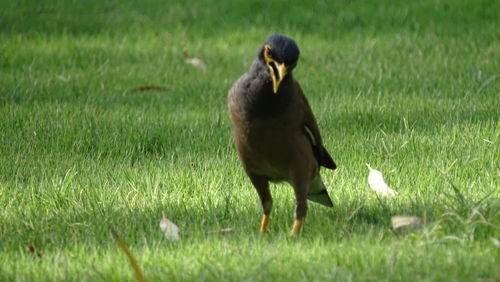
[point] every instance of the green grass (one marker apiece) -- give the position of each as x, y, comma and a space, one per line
410, 87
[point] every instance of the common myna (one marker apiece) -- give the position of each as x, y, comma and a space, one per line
275, 130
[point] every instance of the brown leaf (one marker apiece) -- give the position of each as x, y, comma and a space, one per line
32, 250
148, 88
97, 111
139, 276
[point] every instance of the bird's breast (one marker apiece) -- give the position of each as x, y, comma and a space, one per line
269, 146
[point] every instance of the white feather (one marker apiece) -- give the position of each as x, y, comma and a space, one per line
169, 228
311, 135
377, 183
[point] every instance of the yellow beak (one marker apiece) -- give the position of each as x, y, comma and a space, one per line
277, 70
280, 69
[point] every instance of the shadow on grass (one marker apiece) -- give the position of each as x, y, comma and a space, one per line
69, 226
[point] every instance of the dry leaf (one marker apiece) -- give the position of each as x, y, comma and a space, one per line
47, 11
139, 276
495, 242
377, 183
195, 62
402, 222
223, 231
147, 88
169, 228
226, 230
32, 250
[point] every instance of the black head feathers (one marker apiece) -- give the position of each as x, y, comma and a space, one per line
283, 49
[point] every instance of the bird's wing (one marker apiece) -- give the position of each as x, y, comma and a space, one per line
312, 131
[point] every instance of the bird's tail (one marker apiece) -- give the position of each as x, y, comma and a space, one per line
317, 192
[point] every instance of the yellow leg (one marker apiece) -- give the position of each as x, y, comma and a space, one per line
296, 227
263, 225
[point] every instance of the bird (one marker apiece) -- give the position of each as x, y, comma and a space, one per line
275, 131
377, 183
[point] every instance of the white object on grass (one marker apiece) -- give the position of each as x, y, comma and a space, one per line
195, 62
402, 222
377, 183
169, 228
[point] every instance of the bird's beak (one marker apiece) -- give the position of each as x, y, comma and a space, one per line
277, 70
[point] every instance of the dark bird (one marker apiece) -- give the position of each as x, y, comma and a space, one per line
275, 130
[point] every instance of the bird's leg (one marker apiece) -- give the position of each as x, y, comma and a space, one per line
300, 207
297, 224
263, 224
261, 184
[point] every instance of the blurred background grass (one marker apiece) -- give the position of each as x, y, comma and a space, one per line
411, 87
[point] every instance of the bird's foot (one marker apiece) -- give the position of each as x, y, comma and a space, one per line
263, 225
296, 227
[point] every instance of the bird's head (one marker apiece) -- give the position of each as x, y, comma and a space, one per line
280, 54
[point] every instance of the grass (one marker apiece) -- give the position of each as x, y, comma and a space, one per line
410, 87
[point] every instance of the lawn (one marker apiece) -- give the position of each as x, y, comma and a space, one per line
411, 87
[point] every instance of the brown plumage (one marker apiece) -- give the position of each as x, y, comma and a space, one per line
275, 131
